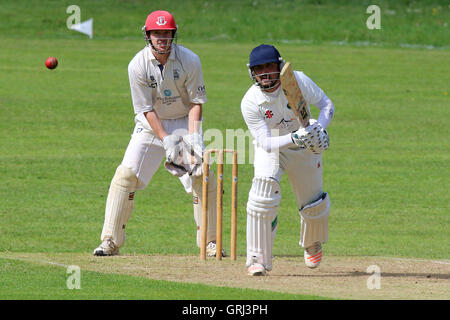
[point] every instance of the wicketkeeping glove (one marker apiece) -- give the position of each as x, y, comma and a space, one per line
172, 146
193, 153
313, 137
193, 146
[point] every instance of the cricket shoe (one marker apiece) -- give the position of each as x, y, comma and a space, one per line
211, 249
256, 269
313, 255
106, 248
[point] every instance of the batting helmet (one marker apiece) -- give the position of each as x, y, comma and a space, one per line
264, 54
160, 20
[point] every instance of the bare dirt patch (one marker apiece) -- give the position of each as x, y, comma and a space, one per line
337, 277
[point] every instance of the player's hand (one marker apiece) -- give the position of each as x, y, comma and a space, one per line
172, 146
193, 146
313, 137
175, 169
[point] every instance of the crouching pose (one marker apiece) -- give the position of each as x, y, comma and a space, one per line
281, 146
168, 92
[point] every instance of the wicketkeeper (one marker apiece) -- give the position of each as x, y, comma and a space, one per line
282, 147
168, 92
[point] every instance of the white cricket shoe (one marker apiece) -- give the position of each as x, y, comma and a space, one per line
106, 248
211, 249
313, 255
256, 269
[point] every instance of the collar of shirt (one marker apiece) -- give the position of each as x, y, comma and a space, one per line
152, 58
263, 97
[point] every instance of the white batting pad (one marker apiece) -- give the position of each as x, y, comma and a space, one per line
197, 195
119, 205
314, 221
262, 206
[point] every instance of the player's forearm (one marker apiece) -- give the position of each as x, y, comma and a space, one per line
271, 143
195, 118
155, 123
326, 107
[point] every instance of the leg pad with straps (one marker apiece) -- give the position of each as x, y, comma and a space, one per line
314, 221
262, 207
119, 205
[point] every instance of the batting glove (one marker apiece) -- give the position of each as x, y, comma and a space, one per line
314, 137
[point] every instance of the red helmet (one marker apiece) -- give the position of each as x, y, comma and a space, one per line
160, 20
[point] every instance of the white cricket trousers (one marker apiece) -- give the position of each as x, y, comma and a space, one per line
143, 157
303, 168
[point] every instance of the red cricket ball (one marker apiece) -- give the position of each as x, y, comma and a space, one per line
51, 62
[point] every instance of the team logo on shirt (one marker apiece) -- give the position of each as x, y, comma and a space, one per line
176, 74
201, 90
167, 93
153, 82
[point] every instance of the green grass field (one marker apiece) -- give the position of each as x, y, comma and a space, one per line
63, 133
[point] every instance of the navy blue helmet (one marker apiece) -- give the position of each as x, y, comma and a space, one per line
264, 54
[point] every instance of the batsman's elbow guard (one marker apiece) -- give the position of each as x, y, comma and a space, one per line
314, 221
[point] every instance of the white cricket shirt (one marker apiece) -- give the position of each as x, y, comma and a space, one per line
168, 91
268, 114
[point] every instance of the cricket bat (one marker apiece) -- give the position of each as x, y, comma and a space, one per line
294, 95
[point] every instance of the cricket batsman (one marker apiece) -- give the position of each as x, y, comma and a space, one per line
281, 146
168, 92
